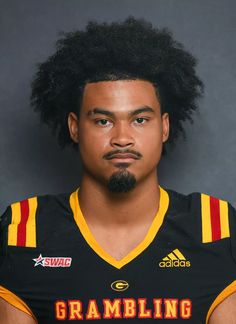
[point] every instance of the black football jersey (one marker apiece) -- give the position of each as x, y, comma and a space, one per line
52, 268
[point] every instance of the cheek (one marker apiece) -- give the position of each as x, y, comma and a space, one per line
151, 137
92, 145
152, 150
151, 145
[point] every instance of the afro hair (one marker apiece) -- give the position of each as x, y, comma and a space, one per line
132, 49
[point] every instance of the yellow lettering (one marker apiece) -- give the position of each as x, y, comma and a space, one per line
143, 312
112, 309
129, 308
92, 310
75, 309
157, 308
60, 310
170, 308
185, 308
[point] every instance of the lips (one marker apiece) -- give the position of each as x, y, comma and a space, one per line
123, 156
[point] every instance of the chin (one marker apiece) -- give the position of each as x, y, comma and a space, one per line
121, 181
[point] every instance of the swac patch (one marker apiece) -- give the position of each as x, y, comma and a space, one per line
53, 262
22, 229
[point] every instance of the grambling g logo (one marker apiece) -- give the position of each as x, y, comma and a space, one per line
120, 285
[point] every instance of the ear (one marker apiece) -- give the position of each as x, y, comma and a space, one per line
73, 124
165, 127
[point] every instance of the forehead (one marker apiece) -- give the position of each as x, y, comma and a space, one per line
119, 96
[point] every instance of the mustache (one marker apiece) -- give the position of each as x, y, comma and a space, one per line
110, 155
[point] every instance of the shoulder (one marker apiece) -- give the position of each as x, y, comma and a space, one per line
11, 314
24, 222
225, 312
208, 218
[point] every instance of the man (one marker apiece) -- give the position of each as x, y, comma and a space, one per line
120, 248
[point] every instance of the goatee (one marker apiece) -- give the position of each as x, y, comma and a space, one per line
122, 181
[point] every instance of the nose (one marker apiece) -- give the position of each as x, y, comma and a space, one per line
122, 136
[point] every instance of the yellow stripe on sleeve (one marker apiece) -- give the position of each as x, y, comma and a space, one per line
15, 220
31, 223
206, 219
224, 219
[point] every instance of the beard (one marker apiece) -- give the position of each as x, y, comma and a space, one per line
121, 181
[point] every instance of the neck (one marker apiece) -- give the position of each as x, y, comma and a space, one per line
99, 206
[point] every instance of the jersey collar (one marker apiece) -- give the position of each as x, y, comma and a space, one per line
91, 241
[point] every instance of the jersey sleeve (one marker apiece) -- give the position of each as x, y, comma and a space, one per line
4, 222
17, 232
232, 225
218, 236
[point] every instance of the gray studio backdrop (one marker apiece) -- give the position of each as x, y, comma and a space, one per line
31, 162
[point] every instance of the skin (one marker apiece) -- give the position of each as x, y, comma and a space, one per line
225, 312
10, 314
110, 119
123, 115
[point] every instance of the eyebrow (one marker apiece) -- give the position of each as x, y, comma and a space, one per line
102, 111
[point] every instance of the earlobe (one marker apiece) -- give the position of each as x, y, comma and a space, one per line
73, 125
165, 127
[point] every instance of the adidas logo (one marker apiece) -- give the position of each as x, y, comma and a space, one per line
175, 259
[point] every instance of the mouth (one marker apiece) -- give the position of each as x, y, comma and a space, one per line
123, 157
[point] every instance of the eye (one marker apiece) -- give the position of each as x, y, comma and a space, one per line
102, 122
141, 120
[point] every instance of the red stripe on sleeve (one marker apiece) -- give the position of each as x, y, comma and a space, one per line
215, 218
21, 231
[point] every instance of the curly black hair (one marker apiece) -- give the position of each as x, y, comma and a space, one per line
132, 49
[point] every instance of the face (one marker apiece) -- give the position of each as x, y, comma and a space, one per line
120, 130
